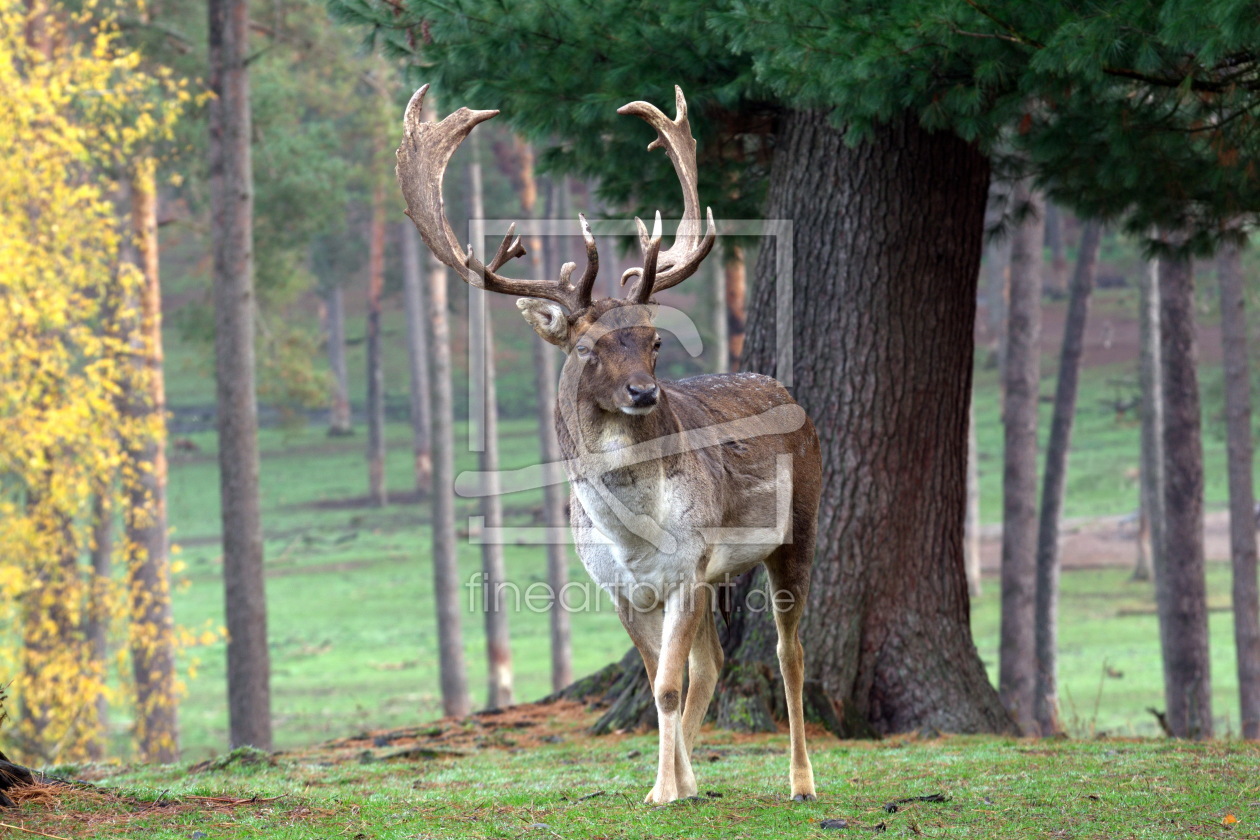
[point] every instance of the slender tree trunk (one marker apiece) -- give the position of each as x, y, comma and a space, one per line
555, 495
447, 592
1242, 502
1055, 479
97, 625
231, 203
997, 264
721, 317
339, 423
377, 492
498, 639
415, 299
54, 658
733, 272
1017, 666
1058, 274
883, 315
152, 635
1150, 541
971, 527
1179, 581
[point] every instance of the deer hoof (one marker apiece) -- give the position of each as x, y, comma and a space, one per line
804, 797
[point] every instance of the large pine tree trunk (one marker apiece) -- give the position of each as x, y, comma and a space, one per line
1150, 541
1017, 679
555, 495
148, 563
481, 337
883, 291
335, 327
231, 210
1055, 480
1242, 527
377, 493
1180, 584
415, 300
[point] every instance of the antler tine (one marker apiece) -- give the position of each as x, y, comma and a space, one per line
674, 136
651, 246
587, 283
423, 155
509, 249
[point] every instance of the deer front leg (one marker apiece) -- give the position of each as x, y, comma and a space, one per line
674, 776
645, 628
703, 668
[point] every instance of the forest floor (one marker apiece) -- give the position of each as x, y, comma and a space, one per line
533, 771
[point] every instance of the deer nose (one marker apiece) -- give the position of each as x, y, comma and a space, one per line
642, 392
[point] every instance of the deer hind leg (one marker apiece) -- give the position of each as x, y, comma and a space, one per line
789, 581
674, 776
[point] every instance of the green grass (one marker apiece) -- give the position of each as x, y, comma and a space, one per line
588, 787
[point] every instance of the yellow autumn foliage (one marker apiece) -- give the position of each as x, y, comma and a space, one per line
77, 111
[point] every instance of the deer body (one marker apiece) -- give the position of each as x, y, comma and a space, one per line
677, 487
693, 495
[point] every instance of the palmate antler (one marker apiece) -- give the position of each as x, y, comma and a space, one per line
426, 150
668, 269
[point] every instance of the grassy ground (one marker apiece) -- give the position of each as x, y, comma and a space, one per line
579, 787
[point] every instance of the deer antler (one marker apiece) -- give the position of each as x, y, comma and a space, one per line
689, 248
425, 151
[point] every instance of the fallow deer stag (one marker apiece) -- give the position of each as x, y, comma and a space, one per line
676, 486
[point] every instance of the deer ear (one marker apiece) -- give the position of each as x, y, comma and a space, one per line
548, 319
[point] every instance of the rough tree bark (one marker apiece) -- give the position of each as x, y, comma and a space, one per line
882, 308
447, 592
548, 258
1242, 502
1017, 677
482, 369
377, 493
1150, 541
415, 300
883, 290
231, 210
1179, 581
339, 423
1054, 481
152, 634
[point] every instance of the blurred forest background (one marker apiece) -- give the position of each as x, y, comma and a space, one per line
117, 205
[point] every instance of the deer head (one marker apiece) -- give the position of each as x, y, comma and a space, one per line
612, 338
